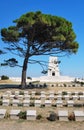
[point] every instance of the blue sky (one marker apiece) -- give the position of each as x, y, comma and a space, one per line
72, 10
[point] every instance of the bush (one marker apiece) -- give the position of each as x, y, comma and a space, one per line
21, 93
80, 93
7, 115
29, 78
31, 104
20, 105
39, 117
52, 117
37, 93
0, 102
22, 115
64, 93
44, 85
71, 117
3, 77
78, 105
64, 85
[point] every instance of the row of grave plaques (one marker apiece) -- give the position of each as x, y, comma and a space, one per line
39, 103
32, 114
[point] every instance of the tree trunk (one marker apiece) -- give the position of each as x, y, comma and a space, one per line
23, 80
24, 69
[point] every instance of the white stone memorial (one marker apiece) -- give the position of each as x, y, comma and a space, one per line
26, 92
14, 114
69, 93
75, 97
76, 93
59, 97
53, 68
2, 113
17, 93
48, 103
15, 102
12, 96
8, 92
66, 97
37, 103
5, 96
70, 103
5, 102
63, 115
79, 115
81, 97
31, 115
51, 96
59, 92
59, 103
43, 96
33, 93
20, 97
51, 92
27, 97
26, 103
54, 72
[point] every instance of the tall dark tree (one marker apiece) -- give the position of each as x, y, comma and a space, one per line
36, 34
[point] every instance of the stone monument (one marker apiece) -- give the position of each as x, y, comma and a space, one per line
54, 72
53, 68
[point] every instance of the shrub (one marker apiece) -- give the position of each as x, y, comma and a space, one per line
3, 77
0, 102
29, 78
20, 104
7, 115
37, 93
44, 85
21, 93
31, 104
64, 85
78, 105
64, 93
39, 117
22, 115
52, 117
80, 93
71, 117
42, 106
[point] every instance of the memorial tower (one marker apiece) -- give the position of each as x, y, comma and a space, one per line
53, 67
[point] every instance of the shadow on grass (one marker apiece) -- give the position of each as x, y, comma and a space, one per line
5, 86
18, 86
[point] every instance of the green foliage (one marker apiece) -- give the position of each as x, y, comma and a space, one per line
22, 115
39, 117
3, 77
0, 102
52, 117
11, 62
51, 32
64, 93
29, 78
20, 104
7, 115
21, 93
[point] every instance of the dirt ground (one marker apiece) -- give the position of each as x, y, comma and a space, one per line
43, 124
40, 125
